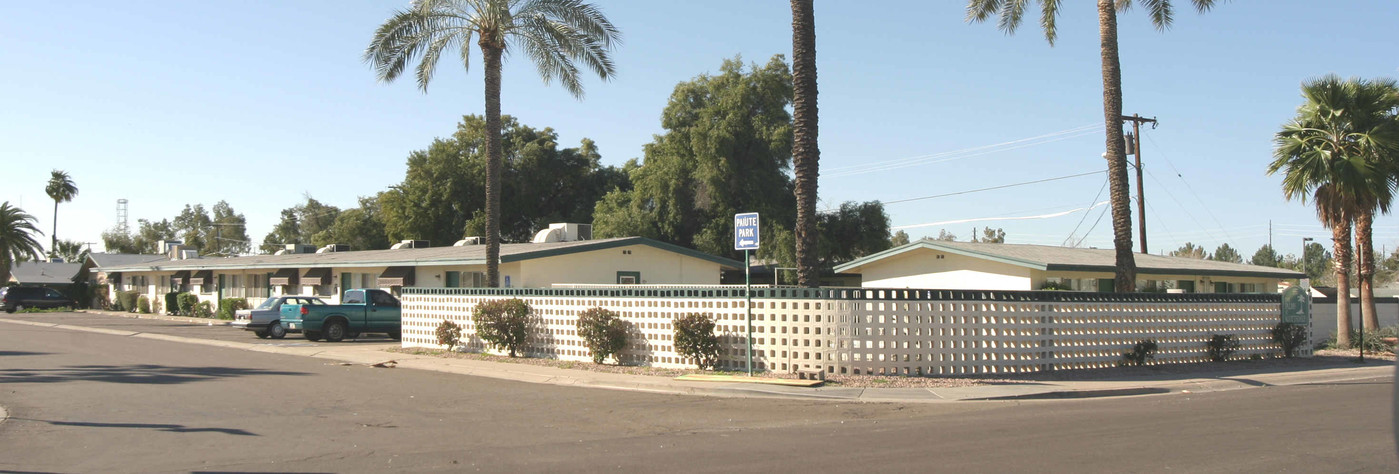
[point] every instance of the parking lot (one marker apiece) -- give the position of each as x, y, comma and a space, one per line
214, 329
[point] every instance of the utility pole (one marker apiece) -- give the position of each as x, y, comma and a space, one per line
1136, 150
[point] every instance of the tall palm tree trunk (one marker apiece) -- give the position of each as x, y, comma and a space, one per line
1365, 262
1126, 277
1341, 237
491, 54
806, 154
53, 246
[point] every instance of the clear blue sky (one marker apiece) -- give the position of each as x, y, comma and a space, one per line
165, 103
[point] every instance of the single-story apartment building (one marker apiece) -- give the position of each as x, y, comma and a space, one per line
939, 264
329, 271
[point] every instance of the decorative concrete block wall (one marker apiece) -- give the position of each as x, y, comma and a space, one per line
875, 331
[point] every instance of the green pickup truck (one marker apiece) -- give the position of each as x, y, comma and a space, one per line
360, 311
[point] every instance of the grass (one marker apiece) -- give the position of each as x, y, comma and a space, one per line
60, 309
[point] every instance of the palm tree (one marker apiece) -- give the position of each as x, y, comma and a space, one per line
17, 242
553, 33
61, 189
1339, 147
806, 155
1011, 12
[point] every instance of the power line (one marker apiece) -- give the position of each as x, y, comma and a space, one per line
963, 153
1085, 213
1188, 187
992, 188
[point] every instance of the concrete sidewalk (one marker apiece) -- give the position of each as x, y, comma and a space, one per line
1028, 390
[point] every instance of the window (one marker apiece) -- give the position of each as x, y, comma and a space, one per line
1248, 287
354, 297
1106, 285
1221, 287
453, 279
383, 299
1187, 286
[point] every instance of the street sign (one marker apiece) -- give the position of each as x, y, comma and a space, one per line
746, 231
1296, 306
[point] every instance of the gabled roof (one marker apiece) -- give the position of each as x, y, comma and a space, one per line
465, 255
44, 273
1065, 259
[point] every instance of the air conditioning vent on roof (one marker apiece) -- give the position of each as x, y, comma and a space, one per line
473, 240
410, 244
564, 233
334, 248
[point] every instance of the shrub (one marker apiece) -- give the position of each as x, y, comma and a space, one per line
143, 305
127, 299
448, 334
172, 302
603, 332
1056, 286
204, 309
187, 303
80, 293
1371, 342
101, 294
695, 340
1143, 351
156, 306
503, 324
228, 305
1221, 346
1290, 336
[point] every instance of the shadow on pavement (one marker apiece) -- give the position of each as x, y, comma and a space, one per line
21, 353
134, 374
152, 426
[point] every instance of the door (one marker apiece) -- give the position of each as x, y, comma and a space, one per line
384, 312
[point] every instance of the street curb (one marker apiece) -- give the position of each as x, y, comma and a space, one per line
4, 415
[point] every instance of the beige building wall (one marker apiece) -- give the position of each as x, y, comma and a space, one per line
654, 266
922, 268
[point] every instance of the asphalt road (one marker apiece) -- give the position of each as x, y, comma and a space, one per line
84, 402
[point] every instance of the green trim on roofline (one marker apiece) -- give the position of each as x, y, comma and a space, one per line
1279, 273
932, 245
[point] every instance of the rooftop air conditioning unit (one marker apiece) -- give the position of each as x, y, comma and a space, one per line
564, 233
410, 244
473, 240
297, 248
334, 248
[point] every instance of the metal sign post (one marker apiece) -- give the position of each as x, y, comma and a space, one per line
745, 239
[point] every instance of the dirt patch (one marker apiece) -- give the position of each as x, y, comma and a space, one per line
1322, 360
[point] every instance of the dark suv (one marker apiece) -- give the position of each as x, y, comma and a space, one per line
16, 298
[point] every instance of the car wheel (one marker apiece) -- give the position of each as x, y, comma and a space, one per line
276, 331
261, 334
334, 331
313, 336
10, 309
395, 335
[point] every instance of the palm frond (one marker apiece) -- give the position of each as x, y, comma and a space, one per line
1161, 13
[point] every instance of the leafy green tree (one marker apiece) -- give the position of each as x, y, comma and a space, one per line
850, 232
70, 251
899, 238
1189, 250
17, 242
695, 340
116, 241
806, 153
299, 224
230, 231
361, 228
442, 197
727, 148
553, 33
195, 228
945, 236
1337, 150
60, 189
1266, 257
1225, 253
1161, 12
992, 236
